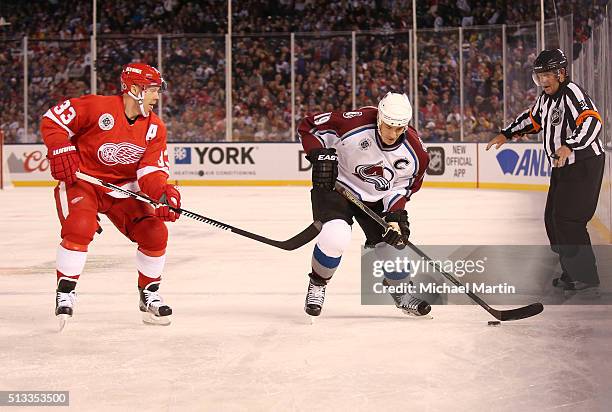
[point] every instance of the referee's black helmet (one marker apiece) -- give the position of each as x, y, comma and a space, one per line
550, 60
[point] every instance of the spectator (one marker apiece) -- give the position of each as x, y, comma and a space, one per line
194, 107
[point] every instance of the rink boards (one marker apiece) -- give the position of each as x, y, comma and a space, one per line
517, 166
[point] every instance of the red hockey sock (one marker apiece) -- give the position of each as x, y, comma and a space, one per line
143, 280
60, 276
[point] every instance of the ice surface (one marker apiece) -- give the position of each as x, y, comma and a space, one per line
240, 340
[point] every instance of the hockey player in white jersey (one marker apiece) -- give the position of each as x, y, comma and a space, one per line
374, 153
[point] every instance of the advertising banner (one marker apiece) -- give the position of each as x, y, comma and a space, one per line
452, 165
27, 165
239, 164
263, 164
514, 166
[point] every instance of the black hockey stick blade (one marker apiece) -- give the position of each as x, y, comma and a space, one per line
295, 242
518, 313
510, 314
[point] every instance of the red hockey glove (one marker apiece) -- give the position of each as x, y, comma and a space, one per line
64, 162
170, 196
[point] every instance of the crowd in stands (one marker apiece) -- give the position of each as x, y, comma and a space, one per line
261, 92
11, 90
193, 60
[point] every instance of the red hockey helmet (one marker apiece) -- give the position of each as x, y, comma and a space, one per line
141, 75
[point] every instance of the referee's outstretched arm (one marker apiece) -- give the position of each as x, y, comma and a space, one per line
528, 122
572, 124
564, 114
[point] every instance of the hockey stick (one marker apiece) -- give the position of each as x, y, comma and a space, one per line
510, 314
295, 242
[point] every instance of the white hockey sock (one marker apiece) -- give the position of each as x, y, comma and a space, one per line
70, 262
150, 266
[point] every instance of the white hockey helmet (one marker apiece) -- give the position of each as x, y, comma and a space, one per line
394, 110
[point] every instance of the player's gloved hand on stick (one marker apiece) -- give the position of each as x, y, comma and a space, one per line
399, 231
63, 162
172, 197
324, 168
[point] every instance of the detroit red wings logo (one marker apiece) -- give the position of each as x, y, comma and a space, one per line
376, 174
120, 153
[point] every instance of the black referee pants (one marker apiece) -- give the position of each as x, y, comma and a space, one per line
571, 203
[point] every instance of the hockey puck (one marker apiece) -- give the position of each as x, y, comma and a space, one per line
493, 323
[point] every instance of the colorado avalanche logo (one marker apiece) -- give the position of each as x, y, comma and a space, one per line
376, 174
119, 153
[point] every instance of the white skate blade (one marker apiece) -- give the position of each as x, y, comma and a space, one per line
413, 316
309, 319
151, 319
63, 321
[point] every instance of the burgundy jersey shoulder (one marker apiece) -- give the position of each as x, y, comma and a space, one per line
413, 139
321, 129
361, 117
344, 122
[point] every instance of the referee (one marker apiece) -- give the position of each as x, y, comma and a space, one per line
570, 126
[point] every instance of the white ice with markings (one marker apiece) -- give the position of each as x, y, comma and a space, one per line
240, 339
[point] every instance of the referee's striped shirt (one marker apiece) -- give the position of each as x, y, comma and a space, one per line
569, 118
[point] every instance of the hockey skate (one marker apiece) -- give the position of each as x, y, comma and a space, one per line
154, 311
413, 306
65, 300
314, 299
562, 281
582, 290
409, 304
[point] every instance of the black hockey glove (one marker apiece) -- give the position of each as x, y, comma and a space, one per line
324, 168
399, 232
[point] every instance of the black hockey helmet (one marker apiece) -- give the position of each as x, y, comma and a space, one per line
550, 60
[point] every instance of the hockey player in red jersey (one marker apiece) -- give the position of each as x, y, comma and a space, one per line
118, 139
374, 153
